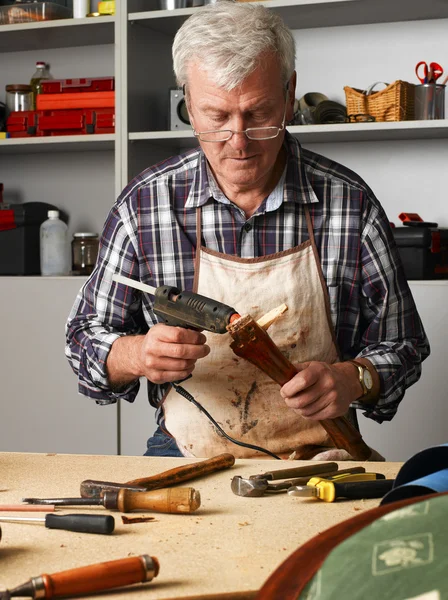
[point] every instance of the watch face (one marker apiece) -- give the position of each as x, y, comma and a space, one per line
368, 381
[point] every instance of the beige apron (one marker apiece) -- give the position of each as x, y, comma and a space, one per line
243, 400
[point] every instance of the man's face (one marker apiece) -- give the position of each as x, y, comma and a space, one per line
240, 164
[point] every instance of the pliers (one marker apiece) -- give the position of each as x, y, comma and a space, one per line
352, 486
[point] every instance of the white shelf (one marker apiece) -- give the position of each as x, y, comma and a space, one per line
62, 143
60, 33
346, 132
306, 14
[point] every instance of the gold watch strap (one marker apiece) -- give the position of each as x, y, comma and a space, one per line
360, 368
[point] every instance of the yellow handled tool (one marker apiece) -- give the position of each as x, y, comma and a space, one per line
353, 486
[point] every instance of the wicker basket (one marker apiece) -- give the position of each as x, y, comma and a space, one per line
394, 103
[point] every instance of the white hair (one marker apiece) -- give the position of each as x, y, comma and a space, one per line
229, 39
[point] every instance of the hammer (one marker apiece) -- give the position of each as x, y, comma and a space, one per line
96, 489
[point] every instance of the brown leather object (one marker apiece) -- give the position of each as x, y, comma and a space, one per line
251, 342
289, 579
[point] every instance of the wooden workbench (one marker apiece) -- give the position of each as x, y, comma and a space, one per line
230, 544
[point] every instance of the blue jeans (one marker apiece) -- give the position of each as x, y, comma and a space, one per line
161, 444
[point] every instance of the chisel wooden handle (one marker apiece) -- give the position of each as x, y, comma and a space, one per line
91, 579
253, 343
95, 489
168, 500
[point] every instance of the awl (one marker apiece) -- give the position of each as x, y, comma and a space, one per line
169, 500
87, 580
367, 486
95, 489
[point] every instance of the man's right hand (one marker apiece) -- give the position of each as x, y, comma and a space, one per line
164, 354
170, 353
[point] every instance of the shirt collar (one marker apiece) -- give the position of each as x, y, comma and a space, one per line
295, 182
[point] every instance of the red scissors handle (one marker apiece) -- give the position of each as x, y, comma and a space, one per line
435, 71
428, 74
422, 73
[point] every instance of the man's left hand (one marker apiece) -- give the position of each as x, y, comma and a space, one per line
322, 391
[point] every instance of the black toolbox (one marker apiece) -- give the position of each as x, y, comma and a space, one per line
20, 237
423, 251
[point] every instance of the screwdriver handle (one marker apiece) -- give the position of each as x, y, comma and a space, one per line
168, 500
100, 576
363, 489
81, 523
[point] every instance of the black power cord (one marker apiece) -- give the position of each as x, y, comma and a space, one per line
183, 392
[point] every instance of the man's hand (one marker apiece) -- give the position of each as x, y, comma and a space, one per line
322, 391
170, 353
164, 354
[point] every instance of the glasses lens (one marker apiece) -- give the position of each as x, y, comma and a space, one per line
262, 133
215, 136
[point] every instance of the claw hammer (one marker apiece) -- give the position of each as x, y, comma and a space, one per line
91, 488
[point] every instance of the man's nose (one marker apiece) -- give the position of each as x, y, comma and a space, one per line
239, 140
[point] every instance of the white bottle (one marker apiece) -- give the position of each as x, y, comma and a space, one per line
54, 247
80, 8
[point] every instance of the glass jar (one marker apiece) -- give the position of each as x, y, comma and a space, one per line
84, 252
19, 97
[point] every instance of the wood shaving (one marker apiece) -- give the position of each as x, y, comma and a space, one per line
244, 524
130, 520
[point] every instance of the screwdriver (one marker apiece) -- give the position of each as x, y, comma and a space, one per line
80, 523
92, 578
168, 500
355, 487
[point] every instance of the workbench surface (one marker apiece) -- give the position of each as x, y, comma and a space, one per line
229, 544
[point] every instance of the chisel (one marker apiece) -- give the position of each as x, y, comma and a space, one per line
169, 500
80, 523
89, 579
350, 488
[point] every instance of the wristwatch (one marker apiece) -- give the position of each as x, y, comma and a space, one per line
365, 377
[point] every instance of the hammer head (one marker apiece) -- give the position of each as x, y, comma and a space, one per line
249, 488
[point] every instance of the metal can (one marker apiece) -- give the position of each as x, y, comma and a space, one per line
84, 252
19, 97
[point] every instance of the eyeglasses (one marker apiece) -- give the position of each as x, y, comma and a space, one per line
252, 133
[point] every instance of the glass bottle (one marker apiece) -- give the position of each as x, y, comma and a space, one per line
42, 72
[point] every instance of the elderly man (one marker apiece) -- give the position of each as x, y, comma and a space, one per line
253, 220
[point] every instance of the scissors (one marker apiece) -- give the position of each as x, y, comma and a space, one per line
430, 74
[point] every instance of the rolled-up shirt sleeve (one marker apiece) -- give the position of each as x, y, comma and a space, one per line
392, 334
104, 311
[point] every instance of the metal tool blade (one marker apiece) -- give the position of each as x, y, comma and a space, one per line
63, 501
253, 488
304, 491
138, 285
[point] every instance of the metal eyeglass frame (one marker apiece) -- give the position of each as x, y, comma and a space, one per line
230, 132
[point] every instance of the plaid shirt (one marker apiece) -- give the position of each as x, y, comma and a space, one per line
150, 235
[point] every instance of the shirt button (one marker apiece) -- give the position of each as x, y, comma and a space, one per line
248, 227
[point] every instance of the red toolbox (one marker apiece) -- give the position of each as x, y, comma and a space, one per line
61, 122
76, 100
70, 86
22, 124
76, 122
